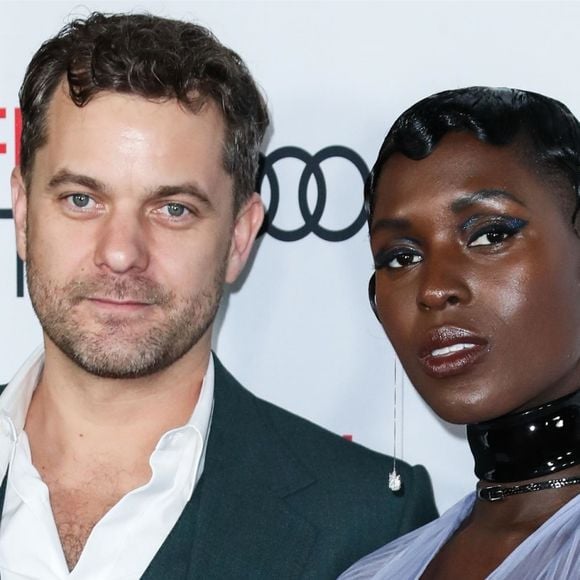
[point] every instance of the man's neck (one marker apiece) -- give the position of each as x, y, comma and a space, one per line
91, 439
77, 414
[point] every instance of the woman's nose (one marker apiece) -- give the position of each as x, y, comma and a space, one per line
442, 284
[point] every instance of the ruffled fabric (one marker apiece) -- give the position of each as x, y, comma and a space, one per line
552, 552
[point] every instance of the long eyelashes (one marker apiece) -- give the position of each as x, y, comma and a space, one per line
495, 231
395, 258
482, 233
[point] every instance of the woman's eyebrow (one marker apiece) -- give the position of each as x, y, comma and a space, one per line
476, 197
396, 224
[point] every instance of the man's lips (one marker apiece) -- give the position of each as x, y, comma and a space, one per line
126, 304
450, 350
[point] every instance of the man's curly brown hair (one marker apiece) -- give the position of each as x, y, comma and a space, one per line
155, 58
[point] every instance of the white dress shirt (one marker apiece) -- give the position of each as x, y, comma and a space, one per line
125, 540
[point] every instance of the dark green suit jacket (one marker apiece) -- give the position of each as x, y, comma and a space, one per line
281, 498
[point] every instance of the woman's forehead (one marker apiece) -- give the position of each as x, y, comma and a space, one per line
461, 165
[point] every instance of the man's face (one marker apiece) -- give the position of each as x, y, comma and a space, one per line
128, 231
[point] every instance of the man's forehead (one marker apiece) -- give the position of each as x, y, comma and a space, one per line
119, 137
136, 119
62, 103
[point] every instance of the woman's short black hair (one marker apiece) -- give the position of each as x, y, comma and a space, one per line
545, 130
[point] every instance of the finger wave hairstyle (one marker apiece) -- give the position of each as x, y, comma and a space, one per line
155, 58
544, 129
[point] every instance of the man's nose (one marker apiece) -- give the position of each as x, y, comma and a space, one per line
122, 243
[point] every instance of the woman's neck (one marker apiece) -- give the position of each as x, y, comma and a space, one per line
530, 444
535, 446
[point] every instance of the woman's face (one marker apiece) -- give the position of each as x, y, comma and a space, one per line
478, 279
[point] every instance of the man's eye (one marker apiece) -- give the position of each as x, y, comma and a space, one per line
175, 210
80, 200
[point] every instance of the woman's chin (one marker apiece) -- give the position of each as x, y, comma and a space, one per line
460, 412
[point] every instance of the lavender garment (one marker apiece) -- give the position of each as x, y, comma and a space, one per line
552, 552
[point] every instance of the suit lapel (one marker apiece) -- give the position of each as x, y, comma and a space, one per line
245, 529
248, 535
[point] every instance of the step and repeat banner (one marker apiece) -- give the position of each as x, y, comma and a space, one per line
297, 329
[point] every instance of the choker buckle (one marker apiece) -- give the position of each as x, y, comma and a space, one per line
492, 493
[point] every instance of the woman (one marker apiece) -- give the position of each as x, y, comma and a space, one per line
472, 208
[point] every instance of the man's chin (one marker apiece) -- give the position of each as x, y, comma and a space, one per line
113, 366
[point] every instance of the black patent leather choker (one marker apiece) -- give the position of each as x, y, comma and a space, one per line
529, 444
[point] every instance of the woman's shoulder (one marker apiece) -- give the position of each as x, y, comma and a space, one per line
551, 552
408, 555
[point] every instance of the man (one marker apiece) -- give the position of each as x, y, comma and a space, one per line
132, 452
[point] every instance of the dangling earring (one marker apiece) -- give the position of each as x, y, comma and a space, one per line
395, 483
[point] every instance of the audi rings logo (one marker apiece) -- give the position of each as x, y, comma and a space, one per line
312, 169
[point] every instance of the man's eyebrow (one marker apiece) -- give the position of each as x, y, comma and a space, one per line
190, 189
64, 177
467, 201
397, 224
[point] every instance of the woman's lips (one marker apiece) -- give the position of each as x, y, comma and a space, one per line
450, 350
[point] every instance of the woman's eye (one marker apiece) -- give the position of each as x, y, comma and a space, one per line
403, 259
489, 239
497, 233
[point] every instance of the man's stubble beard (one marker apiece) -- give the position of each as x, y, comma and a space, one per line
111, 349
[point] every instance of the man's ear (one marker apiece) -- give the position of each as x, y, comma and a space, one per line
246, 226
19, 210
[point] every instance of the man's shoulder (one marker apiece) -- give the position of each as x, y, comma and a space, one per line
324, 453
315, 442
339, 482
341, 464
